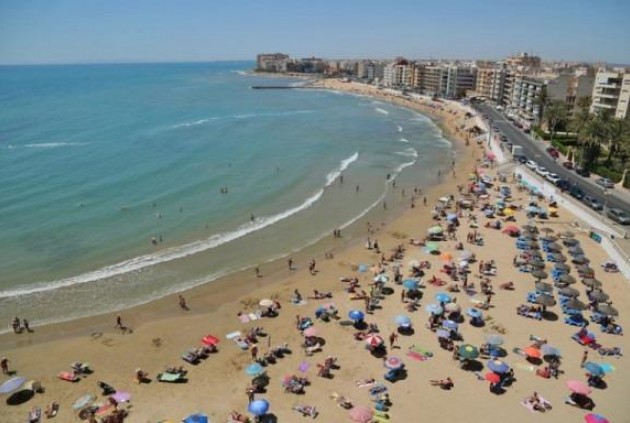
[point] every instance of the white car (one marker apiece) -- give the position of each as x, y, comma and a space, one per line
542, 171
552, 177
531, 164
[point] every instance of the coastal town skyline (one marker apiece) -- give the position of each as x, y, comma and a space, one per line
71, 32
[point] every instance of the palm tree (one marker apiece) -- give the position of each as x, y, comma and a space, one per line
555, 113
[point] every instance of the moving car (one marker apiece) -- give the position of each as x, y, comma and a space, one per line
568, 165
592, 202
542, 171
619, 216
553, 152
531, 164
553, 178
605, 182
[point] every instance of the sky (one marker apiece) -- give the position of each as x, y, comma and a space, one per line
92, 31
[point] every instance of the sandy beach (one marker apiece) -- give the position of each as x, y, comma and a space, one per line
162, 331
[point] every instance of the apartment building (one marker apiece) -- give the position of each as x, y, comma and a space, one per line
570, 89
274, 62
611, 91
398, 74
526, 98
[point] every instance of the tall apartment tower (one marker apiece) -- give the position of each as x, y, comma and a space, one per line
611, 91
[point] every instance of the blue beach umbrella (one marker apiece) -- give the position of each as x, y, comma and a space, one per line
473, 312
498, 366
441, 333
356, 315
196, 418
363, 268
451, 216
258, 407
382, 278
443, 297
434, 309
607, 367
593, 368
550, 351
254, 369
450, 324
494, 340
11, 385
402, 320
410, 284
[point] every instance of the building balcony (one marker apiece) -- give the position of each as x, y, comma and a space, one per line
604, 106
607, 95
608, 85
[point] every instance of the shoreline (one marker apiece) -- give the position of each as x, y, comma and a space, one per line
157, 309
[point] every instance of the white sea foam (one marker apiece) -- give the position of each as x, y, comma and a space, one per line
400, 128
239, 116
330, 178
409, 152
383, 111
403, 140
404, 165
51, 145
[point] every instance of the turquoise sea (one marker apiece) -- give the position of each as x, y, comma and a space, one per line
99, 161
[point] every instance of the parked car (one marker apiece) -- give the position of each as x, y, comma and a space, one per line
521, 159
563, 184
552, 177
553, 152
542, 171
576, 192
531, 164
619, 216
582, 171
592, 202
504, 138
605, 182
568, 165
527, 130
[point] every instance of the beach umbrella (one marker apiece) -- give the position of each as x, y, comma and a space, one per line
508, 211
593, 368
360, 414
434, 309
578, 387
545, 300
580, 260
540, 274
254, 369
373, 340
532, 352
121, 396
310, 331
465, 255
258, 407
475, 313
568, 279
12, 385
435, 230
492, 377
569, 292
468, 351
210, 340
393, 363
410, 284
607, 367
450, 324
595, 418
571, 242
494, 340
363, 268
584, 268
381, 278
554, 247
532, 209
599, 296
452, 308
431, 247
530, 227
413, 263
549, 239
534, 253
84, 401
567, 234
594, 283
443, 297
607, 310
576, 249
402, 320
575, 304
498, 366
544, 287
560, 266
538, 264
511, 229
441, 333
196, 418
559, 257
356, 315
266, 302
550, 351
446, 256
451, 217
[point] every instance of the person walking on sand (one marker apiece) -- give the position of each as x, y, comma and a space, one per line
254, 351
392, 340
257, 271
250, 391
27, 326
584, 358
119, 324
4, 364
290, 263
182, 303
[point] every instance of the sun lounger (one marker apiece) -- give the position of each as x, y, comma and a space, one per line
170, 377
612, 329
240, 342
68, 376
530, 314
310, 350
610, 352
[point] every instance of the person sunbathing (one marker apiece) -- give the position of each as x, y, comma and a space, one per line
51, 410
509, 286
535, 402
235, 416
174, 369
453, 288
443, 383
140, 375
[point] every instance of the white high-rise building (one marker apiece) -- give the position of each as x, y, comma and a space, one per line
611, 91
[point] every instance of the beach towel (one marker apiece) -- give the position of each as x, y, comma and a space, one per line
527, 367
253, 316
420, 350
530, 406
304, 366
68, 376
169, 377
244, 318
365, 383
417, 356
233, 335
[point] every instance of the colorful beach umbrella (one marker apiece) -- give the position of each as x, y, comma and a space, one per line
532, 352
474, 312
356, 315
373, 340
196, 418
450, 324
498, 366
595, 418
452, 307
310, 331
393, 363
446, 256
210, 340
121, 396
550, 351
435, 230
441, 333
468, 351
431, 247
443, 297
593, 368
578, 387
410, 284
254, 369
381, 278
607, 367
494, 340
492, 377
360, 414
12, 385
258, 407
402, 320
434, 309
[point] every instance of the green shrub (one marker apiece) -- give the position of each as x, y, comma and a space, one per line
606, 172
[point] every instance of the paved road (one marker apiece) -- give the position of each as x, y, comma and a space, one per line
535, 150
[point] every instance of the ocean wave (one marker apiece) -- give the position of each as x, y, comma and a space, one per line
409, 152
240, 116
330, 178
403, 140
49, 145
403, 166
383, 111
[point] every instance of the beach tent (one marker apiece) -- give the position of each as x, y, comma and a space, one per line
196, 418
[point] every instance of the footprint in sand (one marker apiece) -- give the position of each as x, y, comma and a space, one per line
108, 342
96, 335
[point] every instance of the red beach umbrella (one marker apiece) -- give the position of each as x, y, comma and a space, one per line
210, 340
373, 340
492, 377
310, 331
361, 414
578, 387
532, 352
